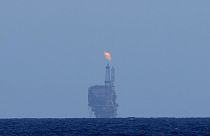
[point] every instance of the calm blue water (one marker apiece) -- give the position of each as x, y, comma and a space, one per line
105, 127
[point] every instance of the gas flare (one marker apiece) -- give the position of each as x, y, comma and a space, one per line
108, 55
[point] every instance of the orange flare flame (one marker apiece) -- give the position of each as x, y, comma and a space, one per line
108, 55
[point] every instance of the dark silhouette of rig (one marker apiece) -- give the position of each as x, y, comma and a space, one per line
102, 98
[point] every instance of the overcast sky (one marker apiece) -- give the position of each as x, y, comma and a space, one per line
51, 51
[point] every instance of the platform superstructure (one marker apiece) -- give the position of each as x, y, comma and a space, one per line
102, 98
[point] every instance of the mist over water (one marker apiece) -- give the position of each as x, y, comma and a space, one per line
52, 51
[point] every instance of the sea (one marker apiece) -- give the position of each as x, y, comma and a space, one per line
106, 127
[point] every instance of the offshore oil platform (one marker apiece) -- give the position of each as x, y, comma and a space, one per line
102, 98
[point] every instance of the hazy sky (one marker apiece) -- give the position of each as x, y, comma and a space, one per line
51, 51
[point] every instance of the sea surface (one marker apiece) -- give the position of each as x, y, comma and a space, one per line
106, 127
